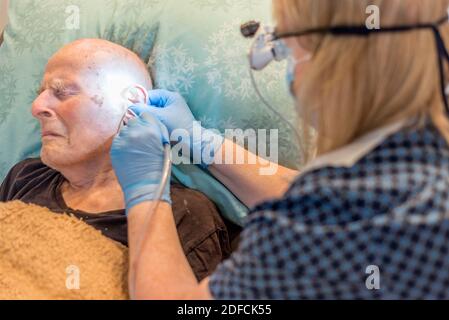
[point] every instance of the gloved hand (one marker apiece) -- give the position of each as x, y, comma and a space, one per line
172, 110
137, 156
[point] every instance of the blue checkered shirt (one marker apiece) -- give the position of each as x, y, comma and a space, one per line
377, 229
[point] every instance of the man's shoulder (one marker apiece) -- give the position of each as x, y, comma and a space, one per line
24, 175
30, 162
27, 167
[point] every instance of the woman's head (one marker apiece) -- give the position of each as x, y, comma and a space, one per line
354, 84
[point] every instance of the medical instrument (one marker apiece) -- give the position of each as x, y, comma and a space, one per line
135, 95
265, 47
264, 50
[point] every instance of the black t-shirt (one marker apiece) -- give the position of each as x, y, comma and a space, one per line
202, 232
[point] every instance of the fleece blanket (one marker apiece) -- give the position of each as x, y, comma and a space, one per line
44, 255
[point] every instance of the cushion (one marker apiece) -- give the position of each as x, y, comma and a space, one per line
201, 53
192, 46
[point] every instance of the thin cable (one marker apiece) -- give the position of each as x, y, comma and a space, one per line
267, 104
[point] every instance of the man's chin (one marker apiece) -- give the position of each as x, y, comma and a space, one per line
60, 157
47, 161
53, 158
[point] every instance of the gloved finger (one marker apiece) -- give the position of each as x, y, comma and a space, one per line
123, 129
138, 109
148, 118
158, 112
164, 133
158, 98
151, 120
118, 143
131, 123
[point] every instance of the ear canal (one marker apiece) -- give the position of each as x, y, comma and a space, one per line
136, 94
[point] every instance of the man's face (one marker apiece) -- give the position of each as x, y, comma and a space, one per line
78, 117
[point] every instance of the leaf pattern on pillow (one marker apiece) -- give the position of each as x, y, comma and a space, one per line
133, 9
228, 66
8, 91
175, 68
32, 31
140, 39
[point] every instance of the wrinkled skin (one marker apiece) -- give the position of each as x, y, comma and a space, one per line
80, 107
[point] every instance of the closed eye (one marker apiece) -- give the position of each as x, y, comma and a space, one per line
59, 93
60, 90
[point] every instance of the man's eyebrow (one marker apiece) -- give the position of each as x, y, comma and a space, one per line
59, 84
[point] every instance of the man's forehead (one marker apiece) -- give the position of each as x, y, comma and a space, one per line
62, 72
97, 64
67, 72
64, 60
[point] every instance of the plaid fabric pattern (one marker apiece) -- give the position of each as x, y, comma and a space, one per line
376, 230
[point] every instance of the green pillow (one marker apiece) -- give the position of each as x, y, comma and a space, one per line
192, 46
201, 53
36, 30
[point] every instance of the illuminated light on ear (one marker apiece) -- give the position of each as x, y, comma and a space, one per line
135, 94
122, 86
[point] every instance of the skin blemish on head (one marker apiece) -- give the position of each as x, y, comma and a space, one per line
98, 100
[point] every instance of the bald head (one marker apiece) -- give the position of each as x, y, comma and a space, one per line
103, 69
103, 58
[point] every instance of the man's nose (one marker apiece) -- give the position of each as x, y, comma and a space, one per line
43, 106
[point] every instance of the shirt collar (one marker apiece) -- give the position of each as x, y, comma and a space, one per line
349, 155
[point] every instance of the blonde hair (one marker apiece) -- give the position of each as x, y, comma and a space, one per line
354, 85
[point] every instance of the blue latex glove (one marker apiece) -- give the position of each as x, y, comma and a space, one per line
172, 110
137, 156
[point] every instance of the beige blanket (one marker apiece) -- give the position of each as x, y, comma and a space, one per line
44, 255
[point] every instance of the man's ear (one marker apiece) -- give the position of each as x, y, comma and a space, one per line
136, 94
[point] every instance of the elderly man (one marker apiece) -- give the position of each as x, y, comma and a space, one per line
80, 108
